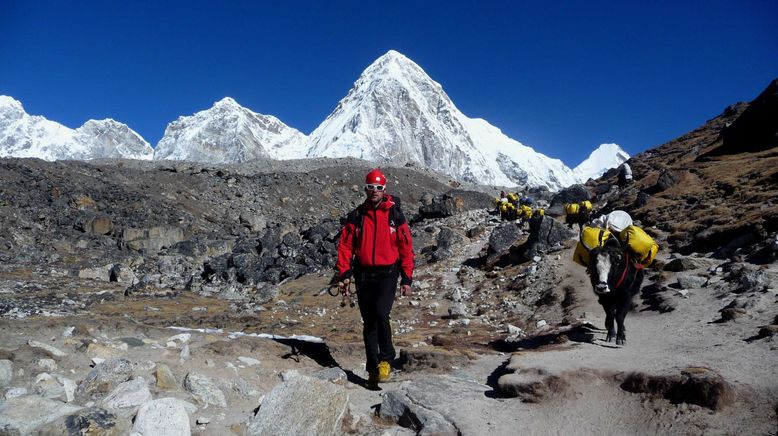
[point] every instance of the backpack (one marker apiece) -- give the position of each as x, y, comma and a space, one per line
572, 208
591, 238
640, 243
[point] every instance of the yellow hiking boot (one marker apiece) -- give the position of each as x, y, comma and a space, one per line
384, 371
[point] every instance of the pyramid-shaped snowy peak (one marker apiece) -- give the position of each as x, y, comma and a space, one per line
396, 114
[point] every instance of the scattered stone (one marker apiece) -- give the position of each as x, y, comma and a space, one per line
288, 374
248, 361
6, 372
397, 407
203, 420
105, 351
47, 348
184, 354
457, 310
47, 364
97, 360
687, 264
95, 421
204, 389
513, 330
47, 386
22, 415
684, 293
68, 332
128, 394
183, 338
105, 377
15, 392
165, 416
333, 375
542, 323
301, 405
691, 281
165, 379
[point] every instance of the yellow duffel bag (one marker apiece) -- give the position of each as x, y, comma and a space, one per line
572, 208
640, 243
591, 238
586, 205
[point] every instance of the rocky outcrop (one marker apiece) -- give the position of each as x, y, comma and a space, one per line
301, 405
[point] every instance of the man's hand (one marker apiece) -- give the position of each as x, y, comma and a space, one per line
405, 290
343, 286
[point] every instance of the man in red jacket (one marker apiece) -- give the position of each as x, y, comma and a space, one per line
375, 250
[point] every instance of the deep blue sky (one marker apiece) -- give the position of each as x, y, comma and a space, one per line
561, 77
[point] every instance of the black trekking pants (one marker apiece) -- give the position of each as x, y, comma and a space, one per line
375, 294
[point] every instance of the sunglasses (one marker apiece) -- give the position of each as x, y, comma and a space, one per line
372, 187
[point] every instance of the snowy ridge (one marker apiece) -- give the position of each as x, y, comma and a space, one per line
23, 135
605, 157
230, 133
396, 114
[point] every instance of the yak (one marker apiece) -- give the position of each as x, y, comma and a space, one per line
616, 277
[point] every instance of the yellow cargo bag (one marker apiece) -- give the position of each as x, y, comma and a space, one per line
586, 205
539, 212
591, 238
525, 212
513, 198
572, 208
640, 243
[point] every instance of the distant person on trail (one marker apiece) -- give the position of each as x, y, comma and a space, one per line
625, 175
375, 250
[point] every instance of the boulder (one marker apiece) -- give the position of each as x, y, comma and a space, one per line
166, 381
6, 372
204, 389
398, 407
415, 359
545, 235
128, 394
22, 415
571, 194
93, 421
165, 416
501, 240
105, 377
687, 264
301, 405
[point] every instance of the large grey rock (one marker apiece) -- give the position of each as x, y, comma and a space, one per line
6, 372
545, 235
572, 194
128, 394
204, 389
399, 408
501, 240
22, 415
93, 421
162, 417
55, 352
691, 281
687, 264
105, 377
425, 405
301, 405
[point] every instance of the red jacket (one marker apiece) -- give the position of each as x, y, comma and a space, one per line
376, 237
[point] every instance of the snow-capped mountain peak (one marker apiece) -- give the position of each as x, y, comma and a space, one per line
605, 157
395, 113
228, 133
23, 135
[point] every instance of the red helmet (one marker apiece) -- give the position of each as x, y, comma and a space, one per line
375, 177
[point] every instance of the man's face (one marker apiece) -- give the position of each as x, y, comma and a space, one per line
374, 192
